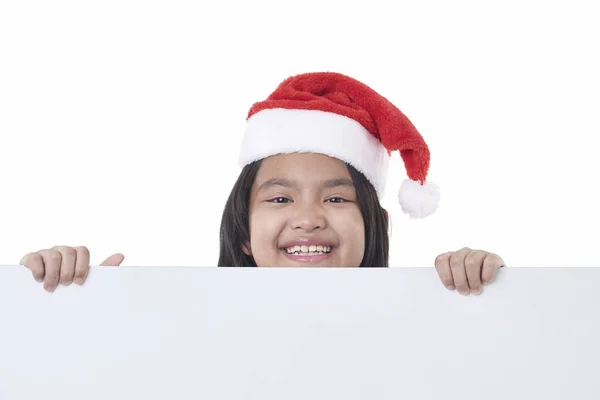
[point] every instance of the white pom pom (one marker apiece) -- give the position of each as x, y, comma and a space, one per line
418, 200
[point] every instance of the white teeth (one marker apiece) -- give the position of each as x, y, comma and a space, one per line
308, 250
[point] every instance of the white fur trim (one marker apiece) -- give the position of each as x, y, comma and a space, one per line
277, 131
418, 200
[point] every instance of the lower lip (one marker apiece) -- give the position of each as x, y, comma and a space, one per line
308, 259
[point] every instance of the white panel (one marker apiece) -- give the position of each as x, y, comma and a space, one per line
287, 334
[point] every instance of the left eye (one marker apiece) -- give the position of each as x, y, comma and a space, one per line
336, 200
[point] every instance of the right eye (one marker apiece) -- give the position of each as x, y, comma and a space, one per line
279, 200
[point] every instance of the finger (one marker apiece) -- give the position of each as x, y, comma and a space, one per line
115, 260
442, 266
82, 266
491, 265
35, 263
52, 260
473, 267
67, 265
459, 274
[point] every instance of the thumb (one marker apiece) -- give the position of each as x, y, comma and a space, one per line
114, 260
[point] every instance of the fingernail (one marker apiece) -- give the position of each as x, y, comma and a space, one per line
476, 291
78, 281
51, 288
464, 292
450, 287
39, 279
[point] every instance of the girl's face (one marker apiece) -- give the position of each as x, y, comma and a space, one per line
304, 213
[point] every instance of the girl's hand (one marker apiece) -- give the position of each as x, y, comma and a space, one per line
63, 265
467, 270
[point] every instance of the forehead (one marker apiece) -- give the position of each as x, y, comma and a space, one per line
302, 167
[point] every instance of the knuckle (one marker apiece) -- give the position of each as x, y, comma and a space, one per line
496, 260
65, 250
82, 250
69, 251
441, 258
456, 264
453, 257
54, 256
32, 259
472, 261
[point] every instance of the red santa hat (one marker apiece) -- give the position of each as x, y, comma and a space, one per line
335, 115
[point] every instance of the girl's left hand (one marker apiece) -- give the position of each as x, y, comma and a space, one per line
467, 270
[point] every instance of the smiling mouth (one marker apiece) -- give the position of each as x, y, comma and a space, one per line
312, 250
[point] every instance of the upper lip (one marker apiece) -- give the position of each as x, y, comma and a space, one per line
307, 242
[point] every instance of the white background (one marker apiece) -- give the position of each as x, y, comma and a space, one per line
120, 120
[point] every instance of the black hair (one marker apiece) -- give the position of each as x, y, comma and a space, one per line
235, 223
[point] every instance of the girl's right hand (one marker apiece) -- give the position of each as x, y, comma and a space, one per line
63, 265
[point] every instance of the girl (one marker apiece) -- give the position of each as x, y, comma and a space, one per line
315, 156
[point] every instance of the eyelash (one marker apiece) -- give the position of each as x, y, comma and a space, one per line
287, 200
278, 198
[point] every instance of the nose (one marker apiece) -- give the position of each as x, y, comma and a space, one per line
308, 217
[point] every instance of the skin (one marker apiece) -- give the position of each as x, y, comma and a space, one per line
304, 196
295, 196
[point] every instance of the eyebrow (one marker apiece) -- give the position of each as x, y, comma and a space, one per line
328, 184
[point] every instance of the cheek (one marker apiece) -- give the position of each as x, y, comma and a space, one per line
351, 230
265, 228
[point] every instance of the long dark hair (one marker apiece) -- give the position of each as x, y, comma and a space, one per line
235, 225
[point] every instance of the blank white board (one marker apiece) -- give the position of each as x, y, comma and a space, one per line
287, 334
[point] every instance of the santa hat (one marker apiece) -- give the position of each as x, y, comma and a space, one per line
335, 115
